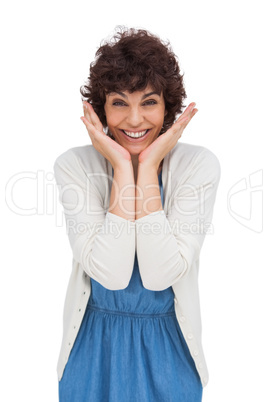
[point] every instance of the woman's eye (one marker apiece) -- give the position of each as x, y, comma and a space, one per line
118, 103
150, 102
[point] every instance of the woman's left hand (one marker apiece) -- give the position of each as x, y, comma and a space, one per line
155, 152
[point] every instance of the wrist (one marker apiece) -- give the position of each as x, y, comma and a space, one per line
147, 167
123, 166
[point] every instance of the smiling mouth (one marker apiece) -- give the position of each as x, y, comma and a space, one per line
138, 134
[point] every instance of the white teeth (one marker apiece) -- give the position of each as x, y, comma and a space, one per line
135, 135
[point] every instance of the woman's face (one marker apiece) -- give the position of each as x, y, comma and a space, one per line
135, 119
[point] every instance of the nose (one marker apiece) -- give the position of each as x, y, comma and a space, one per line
135, 117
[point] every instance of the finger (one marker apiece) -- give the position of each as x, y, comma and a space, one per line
91, 129
187, 115
194, 112
86, 111
182, 122
186, 119
190, 107
187, 112
92, 116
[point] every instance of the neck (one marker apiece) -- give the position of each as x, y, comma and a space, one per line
135, 163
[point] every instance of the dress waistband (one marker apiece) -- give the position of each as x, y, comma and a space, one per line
130, 314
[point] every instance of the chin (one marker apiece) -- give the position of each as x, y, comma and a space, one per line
136, 150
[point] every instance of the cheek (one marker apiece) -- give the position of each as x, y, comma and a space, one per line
159, 119
110, 120
113, 118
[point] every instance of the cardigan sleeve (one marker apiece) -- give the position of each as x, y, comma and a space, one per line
102, 242
167, 246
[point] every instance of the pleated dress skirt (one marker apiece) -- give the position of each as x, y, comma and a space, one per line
130, 348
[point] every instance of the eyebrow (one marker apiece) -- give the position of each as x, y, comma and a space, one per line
144, 96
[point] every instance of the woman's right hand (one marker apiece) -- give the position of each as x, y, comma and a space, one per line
110, 149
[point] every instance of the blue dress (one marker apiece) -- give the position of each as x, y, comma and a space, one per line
130, 348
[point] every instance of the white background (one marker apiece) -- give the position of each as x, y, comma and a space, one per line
46, 50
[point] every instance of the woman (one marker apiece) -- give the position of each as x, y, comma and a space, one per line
137, 204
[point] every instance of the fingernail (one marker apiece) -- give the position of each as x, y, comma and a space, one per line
84, 105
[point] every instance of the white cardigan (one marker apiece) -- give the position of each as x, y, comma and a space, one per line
167, 242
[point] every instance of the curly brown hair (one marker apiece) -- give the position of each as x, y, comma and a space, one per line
130, 61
